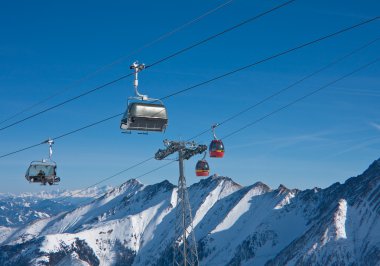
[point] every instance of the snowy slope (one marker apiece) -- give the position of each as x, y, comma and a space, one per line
234, 225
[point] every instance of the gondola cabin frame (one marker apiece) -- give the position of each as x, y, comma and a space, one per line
216, 149
44, 172
202, 168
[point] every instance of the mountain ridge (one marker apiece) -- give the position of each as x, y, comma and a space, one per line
234, 225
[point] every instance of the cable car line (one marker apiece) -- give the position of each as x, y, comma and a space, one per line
66, 101
87, 126
302, 98
63, 135
273, 57
153, 64
248, 125
210, 80
20, 150
162, 120
222, 122
133, 166
119, 60
254, 122
301, 80
235, 132
292, 85
221, 33
282, 90
118, 173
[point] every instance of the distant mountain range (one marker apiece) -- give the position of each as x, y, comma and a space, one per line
234, 225
19, 210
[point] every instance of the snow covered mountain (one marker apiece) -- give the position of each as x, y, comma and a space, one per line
18, 210
234, 225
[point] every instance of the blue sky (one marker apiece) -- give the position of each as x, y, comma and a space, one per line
47, 46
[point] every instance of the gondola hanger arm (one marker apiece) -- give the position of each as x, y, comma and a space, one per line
137, 68
50, 142
213, 129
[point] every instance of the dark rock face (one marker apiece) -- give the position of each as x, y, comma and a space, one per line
80, 247
10, 254
247, 249
123, 255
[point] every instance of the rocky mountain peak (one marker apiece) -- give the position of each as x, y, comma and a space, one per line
373, 170
131, 184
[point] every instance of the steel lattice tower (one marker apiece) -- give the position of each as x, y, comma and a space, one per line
185, 250
185, 246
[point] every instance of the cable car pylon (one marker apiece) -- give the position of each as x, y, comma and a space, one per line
185, 250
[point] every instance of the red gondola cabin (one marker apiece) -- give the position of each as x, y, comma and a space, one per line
216, 149
202, 168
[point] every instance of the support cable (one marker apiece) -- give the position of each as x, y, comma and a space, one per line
289, 87
301, 98
153, 64
119, 60
108, 178
215, 78
220, 33
161, 154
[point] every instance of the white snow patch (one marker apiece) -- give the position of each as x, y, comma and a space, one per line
340, 220
223, 189
285, 201
242, 207
5, 232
